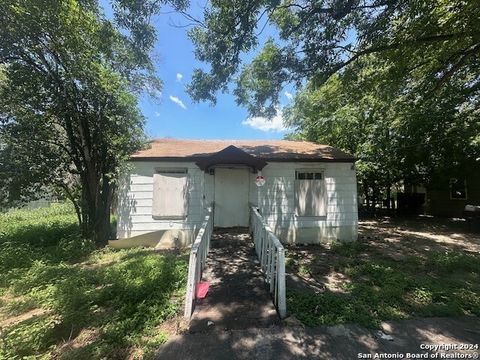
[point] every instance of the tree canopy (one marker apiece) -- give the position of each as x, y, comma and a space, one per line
397, 136
394, 82
438, 40
69, 82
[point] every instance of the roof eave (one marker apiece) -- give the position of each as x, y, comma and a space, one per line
194, 159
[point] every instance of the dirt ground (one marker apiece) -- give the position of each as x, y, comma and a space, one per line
315, 267
387, 249
420, 235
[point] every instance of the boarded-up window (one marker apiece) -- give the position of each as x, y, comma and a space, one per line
310, 194
170, 194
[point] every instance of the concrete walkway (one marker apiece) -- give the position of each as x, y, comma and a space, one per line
237, 298
343, 342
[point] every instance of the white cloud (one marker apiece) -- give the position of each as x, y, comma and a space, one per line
289, 95
179, 77
177, 101
157, 114
264, 124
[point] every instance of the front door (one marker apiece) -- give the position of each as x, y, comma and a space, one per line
231, 197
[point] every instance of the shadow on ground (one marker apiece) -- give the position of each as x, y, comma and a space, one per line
237, 298
336, 342
398, 269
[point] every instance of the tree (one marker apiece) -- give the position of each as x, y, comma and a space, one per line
394, 82
69, 80
359, 123
398, 134
312, 40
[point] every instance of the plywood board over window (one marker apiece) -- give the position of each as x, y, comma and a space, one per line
170, 194
310, 194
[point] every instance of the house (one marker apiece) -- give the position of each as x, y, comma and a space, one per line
306, 192
448, 195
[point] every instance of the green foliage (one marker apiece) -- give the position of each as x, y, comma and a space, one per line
16, 307
452, 261
256, 77
380, 288
348, 249
435, 42
69, 86
47, 235
28, 338
123, 295
394, 83
390, 126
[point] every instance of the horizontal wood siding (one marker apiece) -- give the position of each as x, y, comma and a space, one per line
276, 198
135, 200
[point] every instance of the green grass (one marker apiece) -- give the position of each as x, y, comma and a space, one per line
381, 288
121, 296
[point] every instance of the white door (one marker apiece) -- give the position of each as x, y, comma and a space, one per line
231, 197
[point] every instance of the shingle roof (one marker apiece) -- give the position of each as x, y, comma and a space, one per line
270, 150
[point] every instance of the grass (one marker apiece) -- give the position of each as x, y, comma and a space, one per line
60, 297
377, 287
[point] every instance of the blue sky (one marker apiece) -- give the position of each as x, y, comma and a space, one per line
175, 115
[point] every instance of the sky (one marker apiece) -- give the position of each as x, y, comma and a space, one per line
175, 114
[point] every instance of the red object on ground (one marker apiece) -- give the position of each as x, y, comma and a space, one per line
202, 289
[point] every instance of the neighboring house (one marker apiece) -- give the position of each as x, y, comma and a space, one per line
448, 196
309, 193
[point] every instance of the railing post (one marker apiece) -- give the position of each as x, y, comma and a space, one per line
197, 261
190, 296
282, 296
264, 247
271, 254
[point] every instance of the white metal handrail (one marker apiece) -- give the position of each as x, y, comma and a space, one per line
198, 258
271, 254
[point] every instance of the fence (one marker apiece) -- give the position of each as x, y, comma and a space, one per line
198, 257
271, 254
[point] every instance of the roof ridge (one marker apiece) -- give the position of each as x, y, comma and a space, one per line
228, 140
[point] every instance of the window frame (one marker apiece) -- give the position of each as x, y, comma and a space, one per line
450, 190
171, 171
320, 171
311, 171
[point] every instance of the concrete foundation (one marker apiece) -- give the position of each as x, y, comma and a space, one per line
161, 239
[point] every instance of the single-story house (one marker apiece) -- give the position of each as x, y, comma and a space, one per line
307, 193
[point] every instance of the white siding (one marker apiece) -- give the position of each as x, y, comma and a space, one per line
275, 201
135, 200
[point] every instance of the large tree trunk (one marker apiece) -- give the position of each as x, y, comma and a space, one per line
101, 230
96, 206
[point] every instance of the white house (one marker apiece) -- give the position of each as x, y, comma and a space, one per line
309, 193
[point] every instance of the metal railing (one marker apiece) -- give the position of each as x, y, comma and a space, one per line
271, 254
198, 258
